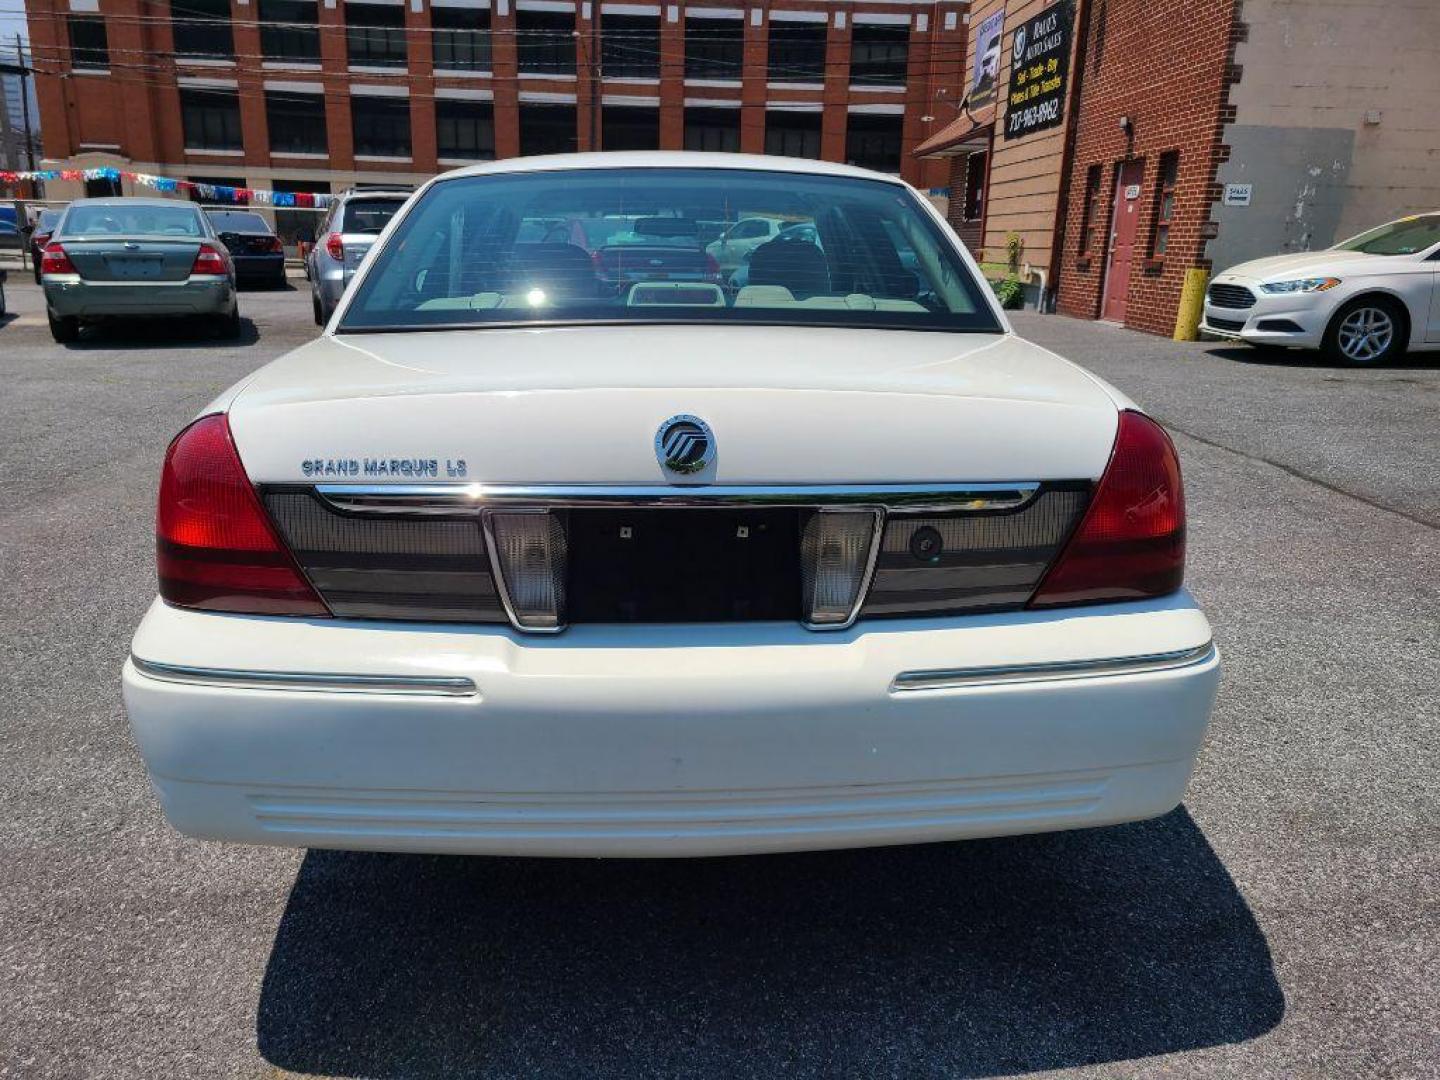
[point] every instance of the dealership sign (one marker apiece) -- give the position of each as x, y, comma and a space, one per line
1039, 65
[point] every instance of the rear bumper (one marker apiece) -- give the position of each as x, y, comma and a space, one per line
259, 267
635, 741
90, 299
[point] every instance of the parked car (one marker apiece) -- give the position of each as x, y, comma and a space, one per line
40, 234
742, 238
346, 233
136, 258
1365, 301
3, 307
651, 569
10, 236
256, 251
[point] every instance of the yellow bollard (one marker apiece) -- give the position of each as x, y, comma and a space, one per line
1192, 305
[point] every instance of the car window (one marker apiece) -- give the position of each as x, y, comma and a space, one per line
1408, 236
369, 215
628, 244
234, 221
117, 219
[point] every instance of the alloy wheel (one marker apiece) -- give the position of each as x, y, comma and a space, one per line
1366, 334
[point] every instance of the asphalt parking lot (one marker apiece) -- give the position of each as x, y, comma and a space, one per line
1285, 922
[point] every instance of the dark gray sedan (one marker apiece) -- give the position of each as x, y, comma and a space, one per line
136, 258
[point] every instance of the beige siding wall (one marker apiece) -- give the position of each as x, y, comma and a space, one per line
1024, 175
1337, 112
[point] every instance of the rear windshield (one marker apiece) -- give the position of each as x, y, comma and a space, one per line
114, 219
1405, 237
47, 219
369, 215
233, 221
668, 245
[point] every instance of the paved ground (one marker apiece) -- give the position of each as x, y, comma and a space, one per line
1284, 923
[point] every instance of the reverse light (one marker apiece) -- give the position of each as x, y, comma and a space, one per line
215, 548
1301, 285
527, 549
54, 260
208, 262
334, 247
1130, 545
835, 558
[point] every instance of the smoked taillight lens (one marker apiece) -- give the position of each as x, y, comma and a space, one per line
54, 261
208, 261
276, 245
334, 247
215, 547
1131, 543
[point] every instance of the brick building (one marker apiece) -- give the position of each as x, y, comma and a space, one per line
315, 95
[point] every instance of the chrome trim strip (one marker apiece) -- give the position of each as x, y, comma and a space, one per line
423, 685
456, 499
1062, 671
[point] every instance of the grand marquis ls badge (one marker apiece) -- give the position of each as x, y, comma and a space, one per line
685, 444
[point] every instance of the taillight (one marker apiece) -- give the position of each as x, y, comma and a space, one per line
208, 261
712, 267
276, 246
215, 548
1131, 543
40, 239
334, 247
54, 261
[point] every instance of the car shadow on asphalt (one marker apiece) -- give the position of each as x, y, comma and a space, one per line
968, 959
160, 333
1312, 358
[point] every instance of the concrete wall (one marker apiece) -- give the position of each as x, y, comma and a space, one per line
1337, 122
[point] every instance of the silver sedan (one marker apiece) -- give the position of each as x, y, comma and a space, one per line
136, 258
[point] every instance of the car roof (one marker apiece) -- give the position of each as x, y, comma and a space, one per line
667, 159
131, 200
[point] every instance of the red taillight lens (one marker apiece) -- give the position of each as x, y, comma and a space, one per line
208, 260
334, 247
276, 246
1131, 543
54, 261
215, 548
40, 239
712, 267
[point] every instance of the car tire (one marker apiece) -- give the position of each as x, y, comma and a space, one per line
65, 329
1367, 332
229, 327
36, 271
319, 309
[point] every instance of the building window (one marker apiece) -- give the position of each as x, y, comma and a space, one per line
792, 134
89, 48
202, 28
873, 141
217, 181
289, 30
714, 48
375, 35
630, 128
1165, 203
465, 130
1092, 212
461, 39
797, 51
545, 42
547, 129
976, 166
381, 126
879, 54
211, 119
716, 130
629, 46
296, 123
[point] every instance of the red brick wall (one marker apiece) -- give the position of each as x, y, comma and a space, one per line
1166, 67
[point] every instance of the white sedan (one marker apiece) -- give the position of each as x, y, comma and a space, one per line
1366, 301
519, 559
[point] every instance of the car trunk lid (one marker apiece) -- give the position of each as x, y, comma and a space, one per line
132, 259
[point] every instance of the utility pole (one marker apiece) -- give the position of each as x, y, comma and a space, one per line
25, 72
8, 156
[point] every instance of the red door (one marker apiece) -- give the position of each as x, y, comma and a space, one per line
1123, 221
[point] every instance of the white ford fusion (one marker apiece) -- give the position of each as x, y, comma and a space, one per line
1366, 301
557, 543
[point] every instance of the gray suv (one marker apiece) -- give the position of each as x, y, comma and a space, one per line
347, 232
